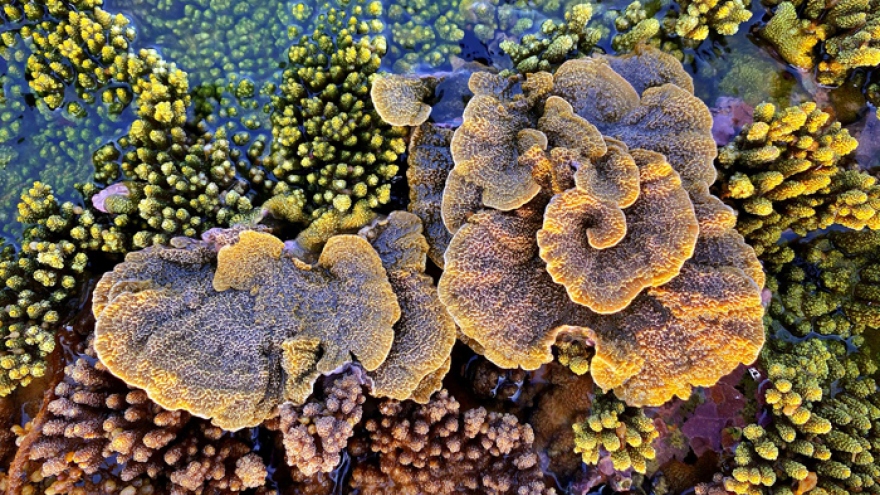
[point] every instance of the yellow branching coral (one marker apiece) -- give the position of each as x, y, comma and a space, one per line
162, 326
399, 100
786, 171
621, 244
698, 17
624, 432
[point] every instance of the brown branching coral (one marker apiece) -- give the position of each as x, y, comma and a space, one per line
93, 416
316, 433
437, 449
399, 99
678, 289
429, 163
162, 326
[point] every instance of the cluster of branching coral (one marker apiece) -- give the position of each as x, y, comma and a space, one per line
332, 155
819, 423
787, 171
614, 429
438, 449
93, 416
847, 31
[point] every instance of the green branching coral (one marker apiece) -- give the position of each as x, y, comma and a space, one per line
623, 433
821, 400
73, 45
785, 171
634, 25
330, 145
700, 17
558, 41
848, 31
824, 422
37, 281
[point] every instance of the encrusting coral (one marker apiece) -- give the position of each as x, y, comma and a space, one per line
625, 182
262, 310
787, 170
429, 163
847, 31
147, 315
438, 449
92, 417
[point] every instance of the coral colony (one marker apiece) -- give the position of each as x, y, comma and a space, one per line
522, 247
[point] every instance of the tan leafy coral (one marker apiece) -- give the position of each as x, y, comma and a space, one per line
399, 99
161, 325
425, 333
609, 276
429, 163
679, 287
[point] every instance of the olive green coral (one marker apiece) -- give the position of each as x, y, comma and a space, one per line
820, 397
557, 42
618, 431
329, 142
787, 171
699, 17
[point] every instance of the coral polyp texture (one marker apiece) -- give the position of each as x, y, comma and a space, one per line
580, 206
848, 32
233, 341
788, 170
438, 449
399, 100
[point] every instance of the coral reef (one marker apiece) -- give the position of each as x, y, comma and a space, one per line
601, 179
786, 170
622, 433
438, 449
847, 32
149, 308
92, 417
